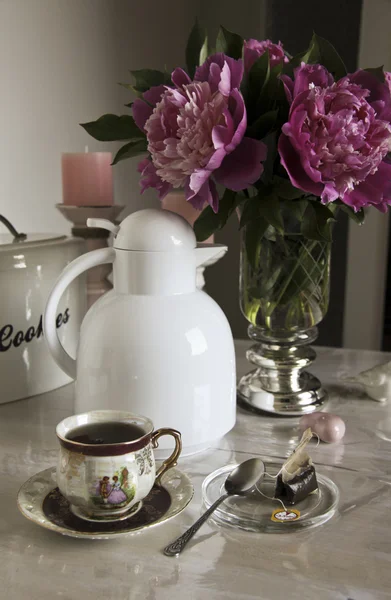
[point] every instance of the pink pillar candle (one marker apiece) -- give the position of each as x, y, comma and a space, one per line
87, 179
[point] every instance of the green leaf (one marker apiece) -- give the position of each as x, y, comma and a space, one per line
260, 87
284, 189
250, 212
267, 283
264, 206
321, 52
204, 52
253, 235
269, 208
297, 208
253, 84
127, 86
296, 61
272, 156
208, 222
111, 128
147, 78
329, 57
263, 125
260, 72
196, 48
129, 105
130, 150
378, 72
131, 88
229, 43
269, 93
282, 104
317, 222
324, 53
358, 217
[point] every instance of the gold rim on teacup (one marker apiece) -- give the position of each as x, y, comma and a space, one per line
115, 449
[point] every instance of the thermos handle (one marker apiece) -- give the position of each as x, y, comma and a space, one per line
73, 270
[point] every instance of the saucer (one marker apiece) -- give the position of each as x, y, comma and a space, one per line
40, 501
255, 512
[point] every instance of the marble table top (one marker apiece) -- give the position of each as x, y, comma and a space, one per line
347, 558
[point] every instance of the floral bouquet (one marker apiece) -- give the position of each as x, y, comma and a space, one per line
283, 142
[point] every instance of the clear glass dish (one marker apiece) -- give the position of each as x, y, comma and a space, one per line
253, 512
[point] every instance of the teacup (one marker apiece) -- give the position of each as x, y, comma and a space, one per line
105, 481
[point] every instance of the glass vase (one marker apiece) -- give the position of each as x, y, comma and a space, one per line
284, 294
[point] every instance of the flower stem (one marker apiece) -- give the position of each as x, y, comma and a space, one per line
273, 305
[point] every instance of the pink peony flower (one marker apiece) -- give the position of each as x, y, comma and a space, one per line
142, 109
253, 49
379, 93
195, 134
149, 178
305, 77
387, 76
335, 142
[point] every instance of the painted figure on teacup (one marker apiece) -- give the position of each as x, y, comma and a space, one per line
117, 495
104, 488
117, 492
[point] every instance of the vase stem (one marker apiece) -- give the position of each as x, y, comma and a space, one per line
279, 383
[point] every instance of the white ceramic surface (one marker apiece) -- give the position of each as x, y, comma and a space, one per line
348, 557
28, 271
154, 345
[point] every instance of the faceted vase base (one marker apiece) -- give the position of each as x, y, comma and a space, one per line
280, 384
308, 399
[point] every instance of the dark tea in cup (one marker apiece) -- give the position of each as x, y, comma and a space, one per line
115, 432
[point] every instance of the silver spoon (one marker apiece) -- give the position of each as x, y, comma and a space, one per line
238, 483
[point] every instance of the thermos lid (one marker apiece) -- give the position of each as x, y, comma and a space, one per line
150, 230
154, 230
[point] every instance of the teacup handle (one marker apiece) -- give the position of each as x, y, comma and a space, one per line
172, 460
